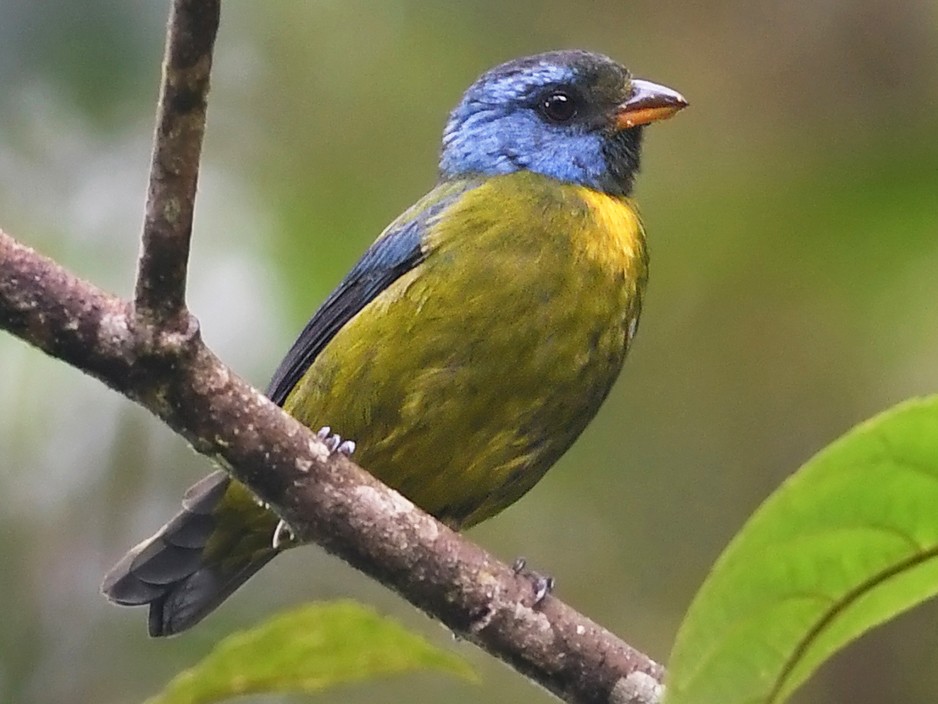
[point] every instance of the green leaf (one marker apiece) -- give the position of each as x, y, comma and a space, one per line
309, 649
845, 544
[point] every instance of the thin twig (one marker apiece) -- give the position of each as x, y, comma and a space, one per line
174, 167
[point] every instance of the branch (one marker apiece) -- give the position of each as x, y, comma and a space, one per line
326, 499
153, 354
174, 166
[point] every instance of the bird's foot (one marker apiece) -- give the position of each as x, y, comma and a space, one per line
283, 533
541, 584
334, 442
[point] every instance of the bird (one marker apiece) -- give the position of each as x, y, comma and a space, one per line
472, 342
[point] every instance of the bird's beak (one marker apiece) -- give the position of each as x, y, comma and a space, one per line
649, 102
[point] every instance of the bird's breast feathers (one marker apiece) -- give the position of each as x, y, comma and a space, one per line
535, 234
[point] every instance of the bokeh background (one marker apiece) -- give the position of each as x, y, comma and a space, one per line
793, 222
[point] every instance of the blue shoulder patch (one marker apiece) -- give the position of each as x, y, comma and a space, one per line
391, 256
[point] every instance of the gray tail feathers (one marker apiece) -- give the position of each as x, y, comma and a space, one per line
171, 571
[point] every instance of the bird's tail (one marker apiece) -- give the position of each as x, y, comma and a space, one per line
219, 539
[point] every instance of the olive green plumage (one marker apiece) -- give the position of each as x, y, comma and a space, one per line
517, 349
472, 343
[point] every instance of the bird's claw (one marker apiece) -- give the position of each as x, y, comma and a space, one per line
541, 584
282, 534
334, 442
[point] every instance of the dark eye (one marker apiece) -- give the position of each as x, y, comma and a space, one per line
558, 107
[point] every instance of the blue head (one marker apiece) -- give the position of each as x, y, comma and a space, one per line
571, 115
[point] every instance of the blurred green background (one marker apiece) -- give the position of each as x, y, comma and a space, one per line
793, 223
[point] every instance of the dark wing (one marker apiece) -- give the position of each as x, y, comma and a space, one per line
397, 251
222, 537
